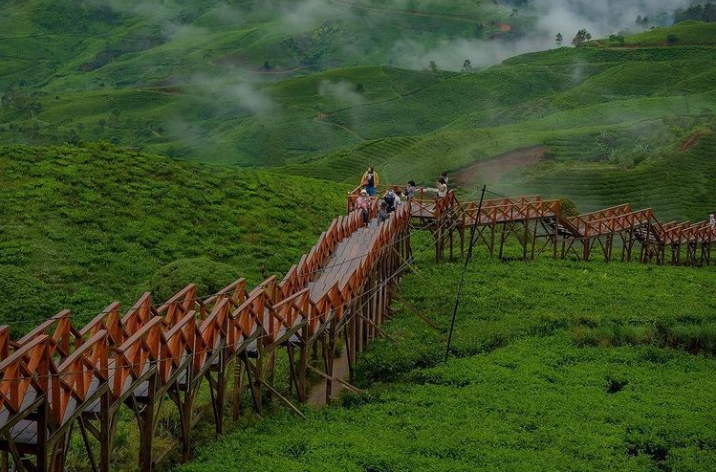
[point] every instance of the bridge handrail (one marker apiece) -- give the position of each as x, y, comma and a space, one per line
63, 335
76, 373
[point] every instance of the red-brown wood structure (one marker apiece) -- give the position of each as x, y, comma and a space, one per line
60, 378
539, 225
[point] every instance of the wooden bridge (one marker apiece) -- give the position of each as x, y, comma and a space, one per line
61, 378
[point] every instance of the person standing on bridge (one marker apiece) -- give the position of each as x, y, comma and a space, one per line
384, 212
363, 204
445, 177
370, 181
441, 191
391, 201
712, 220
410, 190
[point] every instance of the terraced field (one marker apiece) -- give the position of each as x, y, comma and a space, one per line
677, 183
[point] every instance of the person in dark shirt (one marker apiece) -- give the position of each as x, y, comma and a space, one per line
410, 190
383, 213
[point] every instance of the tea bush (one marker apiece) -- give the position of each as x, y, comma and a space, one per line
523, 390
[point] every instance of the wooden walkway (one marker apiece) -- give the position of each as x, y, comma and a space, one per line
539, 226
61, 378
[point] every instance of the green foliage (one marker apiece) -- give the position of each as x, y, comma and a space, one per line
524, 393
569, 208
83, 226
688, 32
26, 299
699, 12
617, 39
581, 38
209, 277
638, 179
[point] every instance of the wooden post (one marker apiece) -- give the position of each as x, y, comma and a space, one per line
502, 241
105, 437
329, 354
147, 427
42, 422
238, 389
493, 232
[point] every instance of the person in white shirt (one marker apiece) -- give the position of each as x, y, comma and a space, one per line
442, 189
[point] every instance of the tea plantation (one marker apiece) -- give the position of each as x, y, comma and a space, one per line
556, 365
84, 226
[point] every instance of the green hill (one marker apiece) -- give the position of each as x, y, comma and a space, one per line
85, 226
188, 81
195, 78
557, 366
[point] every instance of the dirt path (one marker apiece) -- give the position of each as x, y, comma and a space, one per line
321, 118
317, 396
692, 141
494, 169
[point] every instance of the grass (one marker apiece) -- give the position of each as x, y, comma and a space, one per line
85, 226
688, 32
523, 390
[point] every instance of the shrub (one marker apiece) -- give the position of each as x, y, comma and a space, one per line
31, 298
209, 277
569, 208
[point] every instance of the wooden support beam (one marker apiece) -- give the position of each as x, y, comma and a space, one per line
336, 379
282, 398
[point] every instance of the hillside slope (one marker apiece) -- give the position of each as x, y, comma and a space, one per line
82, 227
564, 99
195, 78
557, 365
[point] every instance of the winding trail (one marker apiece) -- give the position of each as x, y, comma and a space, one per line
494, 169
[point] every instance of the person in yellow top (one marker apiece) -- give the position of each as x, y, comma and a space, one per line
370, 181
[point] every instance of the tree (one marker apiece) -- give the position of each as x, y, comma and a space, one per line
671, 38
582, 38
559, 39
467, 66
433, 66
479, 30
360, 88
617, 38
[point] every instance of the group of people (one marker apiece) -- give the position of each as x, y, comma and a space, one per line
393, 197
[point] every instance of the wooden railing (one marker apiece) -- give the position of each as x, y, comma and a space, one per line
62, 370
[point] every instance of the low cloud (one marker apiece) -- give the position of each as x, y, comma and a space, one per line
234, 93
342, 91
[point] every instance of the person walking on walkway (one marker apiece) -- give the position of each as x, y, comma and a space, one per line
363, 204
391, 201
383, 213
370, 181
410, 190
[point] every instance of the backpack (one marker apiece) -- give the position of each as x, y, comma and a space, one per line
390, 200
